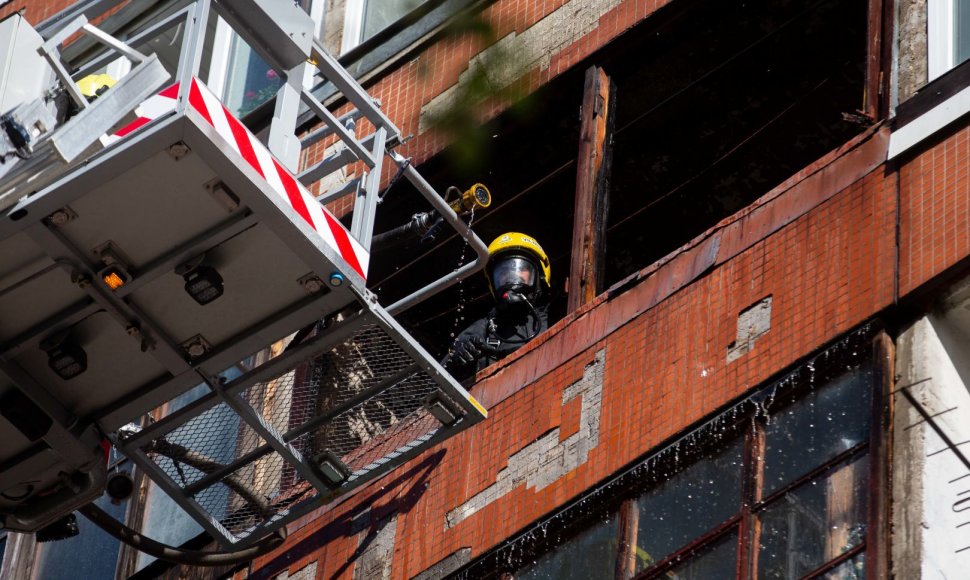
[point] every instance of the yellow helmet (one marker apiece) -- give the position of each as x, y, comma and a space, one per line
92, 86
516, 243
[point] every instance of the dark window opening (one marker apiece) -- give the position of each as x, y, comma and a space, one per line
721, 104
717, 103
589, 552
533, 197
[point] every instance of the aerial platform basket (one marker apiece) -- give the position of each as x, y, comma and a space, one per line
146, 293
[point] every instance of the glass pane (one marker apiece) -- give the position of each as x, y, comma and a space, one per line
379, 14
90, 554
250, 82
815, 429
816, 522
717, 561
854, 569
961, 31
691, 503
591, 554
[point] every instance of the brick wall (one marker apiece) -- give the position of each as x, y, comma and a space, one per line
631, 370
826, 271
540, 38
35, 11
934, 202
543, 38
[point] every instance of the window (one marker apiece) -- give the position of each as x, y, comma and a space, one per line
163, 519
239, 75
685, 507
776, 487
365, 18
92, 553
230, 67
250, 82
582, 556
948, 35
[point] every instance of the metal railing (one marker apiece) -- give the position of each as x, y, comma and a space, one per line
281, 34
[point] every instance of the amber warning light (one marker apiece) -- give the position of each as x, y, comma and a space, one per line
114, 277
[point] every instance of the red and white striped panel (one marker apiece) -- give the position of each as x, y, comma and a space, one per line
279, 179
151, 109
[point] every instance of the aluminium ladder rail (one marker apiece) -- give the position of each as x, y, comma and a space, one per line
244, 438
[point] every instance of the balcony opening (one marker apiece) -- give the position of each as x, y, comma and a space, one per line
717, 103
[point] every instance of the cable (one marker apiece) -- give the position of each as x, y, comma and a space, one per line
180, 454
300, 336
161, 551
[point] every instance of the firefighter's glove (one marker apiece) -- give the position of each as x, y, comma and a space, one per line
468, 350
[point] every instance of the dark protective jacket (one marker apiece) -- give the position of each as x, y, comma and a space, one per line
502, 332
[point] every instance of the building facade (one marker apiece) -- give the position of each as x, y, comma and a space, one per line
758, 215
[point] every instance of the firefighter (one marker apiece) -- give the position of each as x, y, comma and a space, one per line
519, 279
93, 86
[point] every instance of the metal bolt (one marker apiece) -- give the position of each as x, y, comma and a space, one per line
59, 218
178, 151
133, 330
312, 284
196, 346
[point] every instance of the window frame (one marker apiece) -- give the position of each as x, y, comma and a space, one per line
225, 41
941, 41
354, 12
871, 350
939, 37
353, 25
754, 504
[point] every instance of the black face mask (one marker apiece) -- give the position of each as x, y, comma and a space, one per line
513, 300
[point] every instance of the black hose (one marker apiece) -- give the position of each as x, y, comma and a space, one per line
177, 453
418, 225
161, 551
301, 335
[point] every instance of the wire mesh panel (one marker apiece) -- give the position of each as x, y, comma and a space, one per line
201, 446
376, 427
253, 455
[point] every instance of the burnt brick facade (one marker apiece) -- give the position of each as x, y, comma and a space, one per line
851, 238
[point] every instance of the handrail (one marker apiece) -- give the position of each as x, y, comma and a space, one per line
370, 149
463, 230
